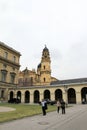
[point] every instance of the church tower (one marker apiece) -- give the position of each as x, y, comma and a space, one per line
45, 71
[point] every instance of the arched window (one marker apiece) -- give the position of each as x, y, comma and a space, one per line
6, 55
44, 67
44, 79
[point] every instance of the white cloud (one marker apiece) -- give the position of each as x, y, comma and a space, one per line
61, 25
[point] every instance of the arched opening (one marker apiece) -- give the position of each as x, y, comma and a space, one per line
36, 96
71, 95
47, 94
58, 94
11, 95
84, 94
27, 97
19, 95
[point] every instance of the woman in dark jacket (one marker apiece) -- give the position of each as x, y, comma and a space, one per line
44, 106
63, 106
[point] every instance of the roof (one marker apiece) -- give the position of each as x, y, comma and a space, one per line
70, 81
39, 65
10, 48
45, 49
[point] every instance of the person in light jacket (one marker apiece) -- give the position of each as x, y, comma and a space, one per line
58, 105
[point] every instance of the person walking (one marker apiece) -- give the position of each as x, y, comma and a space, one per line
58, 105
63, 106
43, 103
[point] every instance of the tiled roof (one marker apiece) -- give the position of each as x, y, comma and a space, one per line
70, 81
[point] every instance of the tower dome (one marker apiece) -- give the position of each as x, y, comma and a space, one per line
39, 65
45, 49
45, 53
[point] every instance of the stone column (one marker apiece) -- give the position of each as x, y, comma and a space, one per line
52, 96
31, 97
22, 98
65, 96
6, 94
78, 97
14, 94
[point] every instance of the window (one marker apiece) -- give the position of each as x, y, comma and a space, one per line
2, 94
12, 77
6, 55
3, 75
44, 67
44, 79
14, 59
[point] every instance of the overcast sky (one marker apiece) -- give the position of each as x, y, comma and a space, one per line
27, 25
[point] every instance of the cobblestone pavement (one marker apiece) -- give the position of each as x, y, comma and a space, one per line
74, 119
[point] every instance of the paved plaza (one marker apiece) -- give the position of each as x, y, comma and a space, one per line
74, 119
6, 109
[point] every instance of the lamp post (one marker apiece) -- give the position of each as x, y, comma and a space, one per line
66, 88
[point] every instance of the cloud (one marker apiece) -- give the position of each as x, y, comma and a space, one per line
61, 25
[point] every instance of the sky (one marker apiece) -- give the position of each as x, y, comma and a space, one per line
28, 25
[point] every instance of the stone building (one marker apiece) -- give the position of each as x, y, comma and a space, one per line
31, 86
9, 68
35, 85
42, 76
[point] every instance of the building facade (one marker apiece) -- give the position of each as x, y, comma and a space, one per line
9, 68
42, 76
31, 86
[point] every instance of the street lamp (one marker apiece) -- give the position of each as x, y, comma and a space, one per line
66, 88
